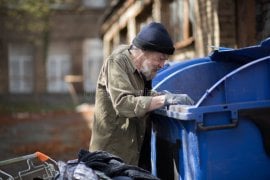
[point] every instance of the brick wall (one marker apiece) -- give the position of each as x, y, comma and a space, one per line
3, 66
262, 19
227, 21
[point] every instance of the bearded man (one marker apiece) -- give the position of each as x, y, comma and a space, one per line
123, 93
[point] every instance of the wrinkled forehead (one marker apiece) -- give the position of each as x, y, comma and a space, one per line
158, 55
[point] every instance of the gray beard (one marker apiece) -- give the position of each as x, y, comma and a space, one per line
146, 71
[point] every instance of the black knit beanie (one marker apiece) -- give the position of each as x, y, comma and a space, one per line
154, 37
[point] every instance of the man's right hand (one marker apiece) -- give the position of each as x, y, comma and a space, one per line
174, 99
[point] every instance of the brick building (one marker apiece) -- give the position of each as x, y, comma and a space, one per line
72, 46
195, 25
34, 64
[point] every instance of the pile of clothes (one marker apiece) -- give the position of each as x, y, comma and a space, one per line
100, 165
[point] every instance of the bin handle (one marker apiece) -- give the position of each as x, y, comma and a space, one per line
218, 127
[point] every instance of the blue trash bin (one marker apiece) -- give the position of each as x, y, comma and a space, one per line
226, 134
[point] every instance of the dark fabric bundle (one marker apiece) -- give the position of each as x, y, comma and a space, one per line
112, 165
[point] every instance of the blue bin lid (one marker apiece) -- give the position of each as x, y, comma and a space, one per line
175, 66
243, 55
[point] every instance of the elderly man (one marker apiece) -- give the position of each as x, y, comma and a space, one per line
123, 94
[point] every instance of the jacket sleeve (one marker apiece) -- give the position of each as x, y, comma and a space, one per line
127, 100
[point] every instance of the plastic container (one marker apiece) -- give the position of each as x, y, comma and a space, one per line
226, 134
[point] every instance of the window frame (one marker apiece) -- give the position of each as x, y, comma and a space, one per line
21, 80
56, 82
187, 25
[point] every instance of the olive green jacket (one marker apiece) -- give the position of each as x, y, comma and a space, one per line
120, 108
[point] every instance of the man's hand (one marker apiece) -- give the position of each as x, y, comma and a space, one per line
165, 98
173, 99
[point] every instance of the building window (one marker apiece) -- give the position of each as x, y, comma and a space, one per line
92, 62
20, 68
58, 66
182, 18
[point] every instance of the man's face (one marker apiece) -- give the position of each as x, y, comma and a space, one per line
153, 61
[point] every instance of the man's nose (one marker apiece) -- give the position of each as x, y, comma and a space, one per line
161, 64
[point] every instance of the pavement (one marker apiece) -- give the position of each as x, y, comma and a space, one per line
60, 135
